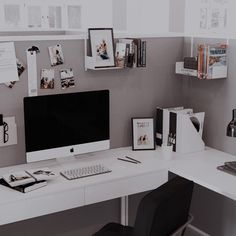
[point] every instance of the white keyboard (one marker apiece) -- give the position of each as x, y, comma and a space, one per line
86, 171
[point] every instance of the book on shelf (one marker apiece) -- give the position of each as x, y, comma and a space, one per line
120, 54
135, 52
25, 188
143, 53
30, 176
212, 61
129, 51
217, 64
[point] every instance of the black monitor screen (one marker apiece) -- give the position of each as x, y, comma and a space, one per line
60, 120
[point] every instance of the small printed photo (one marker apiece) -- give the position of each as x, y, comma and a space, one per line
47, 79
142, 130
20, 68
102, 53
10, 84
56, 55
143, 140
18, 178
67, 78
42, 173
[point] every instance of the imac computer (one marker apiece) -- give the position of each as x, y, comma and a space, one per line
68, 124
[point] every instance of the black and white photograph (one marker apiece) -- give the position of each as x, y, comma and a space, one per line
102, 46
47, 79
143, 134
67, 78
42, 173
56, 55
18, 178
20, 69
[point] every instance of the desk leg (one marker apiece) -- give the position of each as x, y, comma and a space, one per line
124, 213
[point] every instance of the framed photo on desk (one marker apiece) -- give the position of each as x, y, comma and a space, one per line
143, 134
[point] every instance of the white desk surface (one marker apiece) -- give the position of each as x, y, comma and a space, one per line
201, 168
125, 179
61, 194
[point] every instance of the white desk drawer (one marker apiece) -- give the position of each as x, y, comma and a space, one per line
124, 187
42, 205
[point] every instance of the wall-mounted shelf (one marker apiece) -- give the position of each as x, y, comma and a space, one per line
210, 62
132, 55
90, 65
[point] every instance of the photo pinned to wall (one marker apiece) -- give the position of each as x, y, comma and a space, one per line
20, 69
102, 46
143, 134
67, 78
47, 79
56, 55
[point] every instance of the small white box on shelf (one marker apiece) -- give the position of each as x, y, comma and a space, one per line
179, 69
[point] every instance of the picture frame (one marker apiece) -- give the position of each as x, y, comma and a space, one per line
101, 42
143, 133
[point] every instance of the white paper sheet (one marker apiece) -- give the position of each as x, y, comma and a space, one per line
32, 73
8, 67
213, 15
11, 132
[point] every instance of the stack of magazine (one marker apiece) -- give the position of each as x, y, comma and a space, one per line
130, 53
29, 180
228, 167
212, 61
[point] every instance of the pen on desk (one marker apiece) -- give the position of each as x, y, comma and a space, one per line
134, 162
132, 159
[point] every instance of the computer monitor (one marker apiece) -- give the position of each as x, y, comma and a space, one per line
68, 124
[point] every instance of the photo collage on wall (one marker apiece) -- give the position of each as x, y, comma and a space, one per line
65, 76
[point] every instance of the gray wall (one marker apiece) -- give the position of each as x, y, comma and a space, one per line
214, 213
177, 16
134, 92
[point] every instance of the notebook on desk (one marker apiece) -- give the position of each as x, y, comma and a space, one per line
25, 188
228, 167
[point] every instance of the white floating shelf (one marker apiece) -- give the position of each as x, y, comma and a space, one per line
90, 65
218, 72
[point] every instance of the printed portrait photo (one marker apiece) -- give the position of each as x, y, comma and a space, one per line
56, 55
47, 79
67, 78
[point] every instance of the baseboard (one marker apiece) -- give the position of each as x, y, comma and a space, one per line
196, 231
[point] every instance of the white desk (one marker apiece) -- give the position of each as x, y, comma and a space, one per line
125, 179
201, 168
61, 194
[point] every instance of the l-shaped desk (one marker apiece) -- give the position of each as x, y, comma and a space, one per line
125, 179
